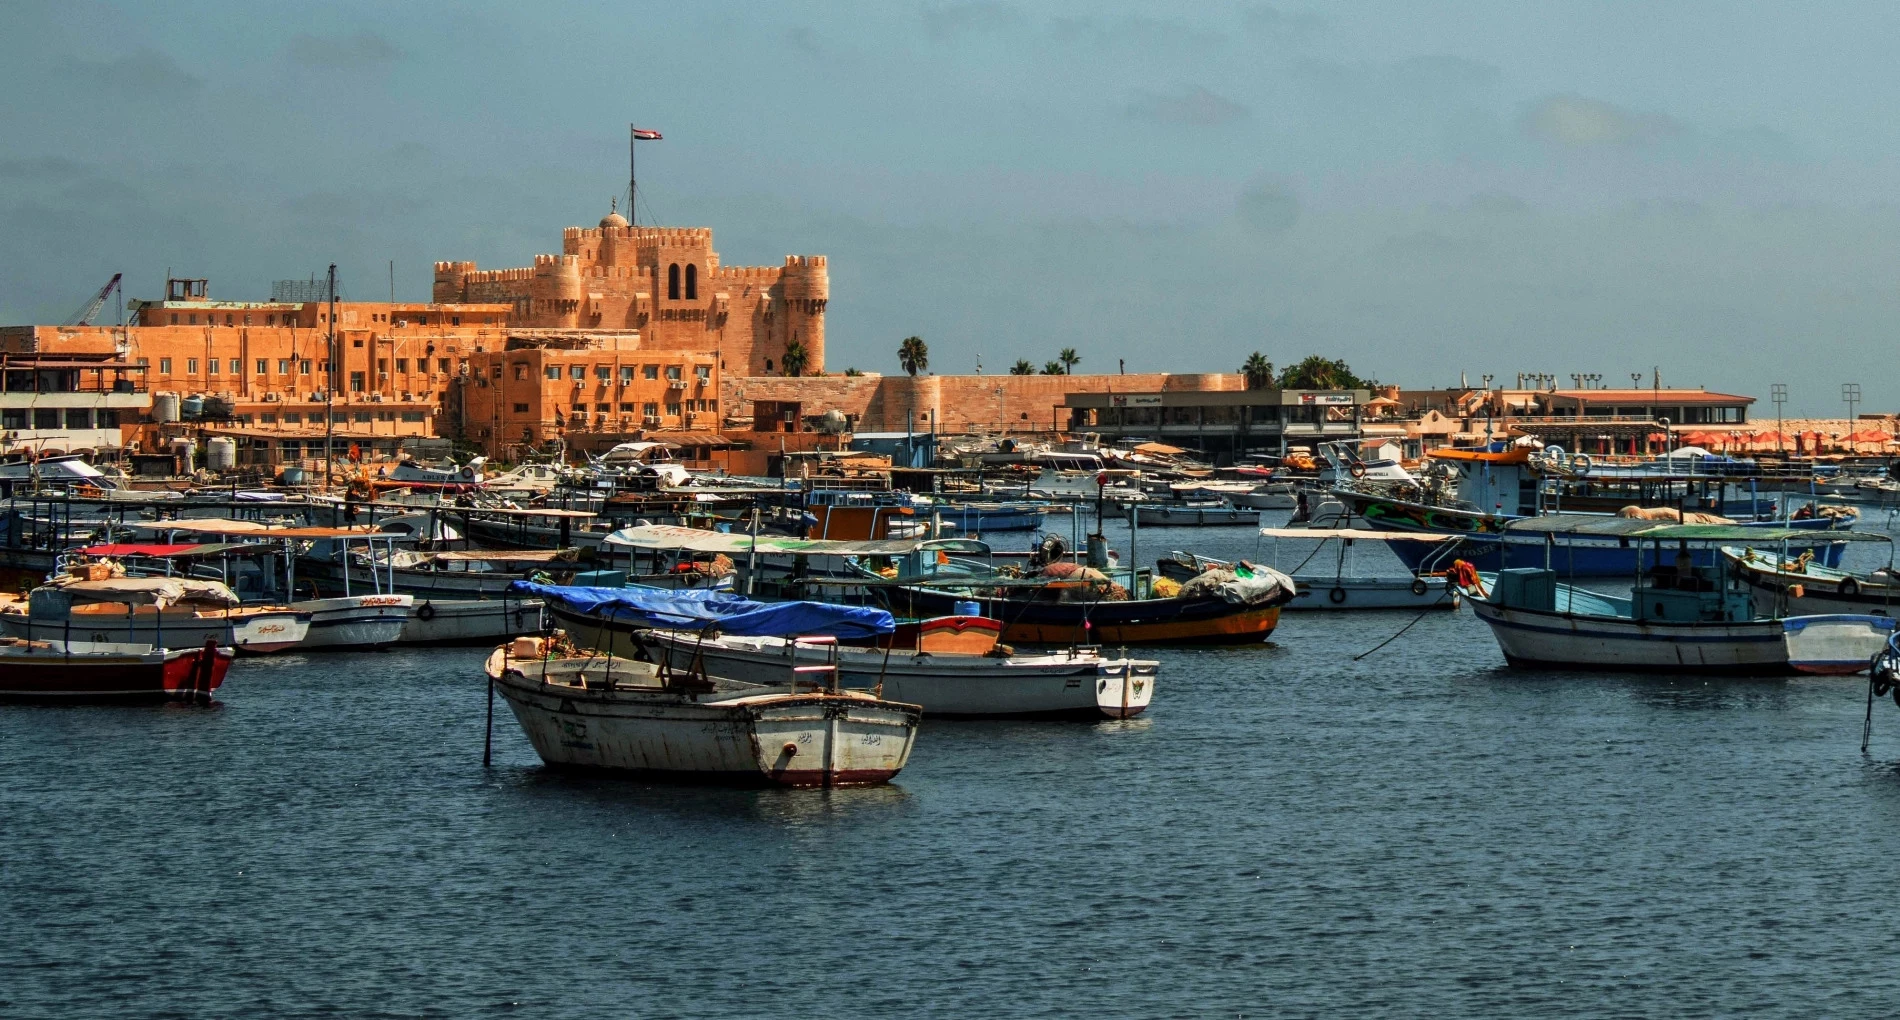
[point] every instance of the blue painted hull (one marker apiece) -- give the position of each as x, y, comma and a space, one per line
1589, 555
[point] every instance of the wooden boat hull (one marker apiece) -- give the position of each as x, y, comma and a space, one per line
83, 671
1178, 621
250, 632
1334, 594
357, 623
461, 621
799, 740
1539, 639
953, 686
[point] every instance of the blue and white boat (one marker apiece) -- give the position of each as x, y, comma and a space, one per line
1596, 545
1679, 617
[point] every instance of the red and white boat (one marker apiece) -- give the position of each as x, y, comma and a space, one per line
106, 671
161, 612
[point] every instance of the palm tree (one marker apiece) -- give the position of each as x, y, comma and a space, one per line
1052, 368
913, 355
796, 357
1258, 370
1022, 367
1069, 360
852, 371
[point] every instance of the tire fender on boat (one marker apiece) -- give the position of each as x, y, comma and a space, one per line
1849, 587
1336, 596
1357, 470
1418, 586
425, 612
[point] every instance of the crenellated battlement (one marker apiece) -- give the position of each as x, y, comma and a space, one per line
556, 263
748, 274
804, 262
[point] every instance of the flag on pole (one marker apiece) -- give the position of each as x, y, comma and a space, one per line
645, 135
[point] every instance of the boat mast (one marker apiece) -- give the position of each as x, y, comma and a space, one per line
329, 388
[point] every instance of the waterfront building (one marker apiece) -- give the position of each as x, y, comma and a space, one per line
55, 403
1223, 423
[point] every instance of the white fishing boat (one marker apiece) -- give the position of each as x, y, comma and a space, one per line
1785, 585
595, 710
444, 475
163, 612
1270, 496
470, 621
355, 622
1680, 618
956, 677
1343, 587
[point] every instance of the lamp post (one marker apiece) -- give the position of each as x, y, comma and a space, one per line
1778, 393
1850, 395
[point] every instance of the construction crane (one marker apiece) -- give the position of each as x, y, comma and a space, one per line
84, 316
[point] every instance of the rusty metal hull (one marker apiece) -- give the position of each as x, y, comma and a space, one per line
752, 736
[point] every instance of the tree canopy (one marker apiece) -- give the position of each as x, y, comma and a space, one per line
1022, 367
1317, 373
796, 358
1258, 370
913, 354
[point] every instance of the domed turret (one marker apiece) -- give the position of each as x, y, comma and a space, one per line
613, 217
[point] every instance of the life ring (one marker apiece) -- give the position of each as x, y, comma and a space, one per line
1849, 587
1336, 596
1581, 463
425, 612
468, 473
1418, 586
1357, 470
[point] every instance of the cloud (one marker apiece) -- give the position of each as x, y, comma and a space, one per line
143, 73
804, 40
1267, 208
1575, 122
343, 53
1194, 106
945, 21
1263, 20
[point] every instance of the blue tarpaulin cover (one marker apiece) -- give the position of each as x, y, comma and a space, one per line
697, 609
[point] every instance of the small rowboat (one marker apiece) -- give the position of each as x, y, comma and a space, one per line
69, 671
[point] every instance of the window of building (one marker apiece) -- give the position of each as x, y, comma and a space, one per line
13, 418
414, 416
268, 417
650, 408
577, 372
212, 367
191, 319
292, 448
324, 367
389, 415
626, 375
442, 365
46, 417
649, 371
603, 408
580, 410
247, 318
293, 418
626, 408
382, 366
107, 418
704, 372
673, 282
174, 322
604, 373
455, 320
402, 364
191, 366
304, 366
521, 371
356, 382
768, 364
263, 366
673, 409
356, 343
521, 409
271, 320
672, 373
554, 372
362, 416
712, 405
283, 367
692, 282
79, 417
164, 366
237, 367
340, 417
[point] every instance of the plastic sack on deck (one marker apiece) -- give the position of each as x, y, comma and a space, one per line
699, 609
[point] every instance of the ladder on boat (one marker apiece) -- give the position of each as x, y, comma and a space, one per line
830, 665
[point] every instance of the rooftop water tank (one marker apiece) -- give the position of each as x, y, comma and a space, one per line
192, 406
164, 407
221, 453
187, 453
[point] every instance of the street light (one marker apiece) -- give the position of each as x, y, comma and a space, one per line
1850, 394
1778, 393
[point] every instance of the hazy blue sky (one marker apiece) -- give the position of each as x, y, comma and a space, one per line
1422, 190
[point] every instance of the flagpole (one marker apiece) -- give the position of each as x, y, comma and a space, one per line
633, 178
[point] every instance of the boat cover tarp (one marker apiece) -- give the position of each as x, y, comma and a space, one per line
699, 609
152, 591
1632, 527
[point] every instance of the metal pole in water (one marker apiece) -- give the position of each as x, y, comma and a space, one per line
488, 728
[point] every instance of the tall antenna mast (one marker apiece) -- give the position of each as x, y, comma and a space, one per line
633, 176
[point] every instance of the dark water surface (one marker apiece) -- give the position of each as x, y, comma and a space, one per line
1287, 832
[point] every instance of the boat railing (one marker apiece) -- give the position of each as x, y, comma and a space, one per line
830, 665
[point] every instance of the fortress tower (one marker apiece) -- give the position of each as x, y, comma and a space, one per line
667, 283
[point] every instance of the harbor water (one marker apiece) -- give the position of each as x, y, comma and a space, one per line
1288, 832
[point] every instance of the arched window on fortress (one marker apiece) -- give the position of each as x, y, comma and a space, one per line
692, 282
673, 282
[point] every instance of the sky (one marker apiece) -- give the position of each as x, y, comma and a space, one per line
1430, 191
